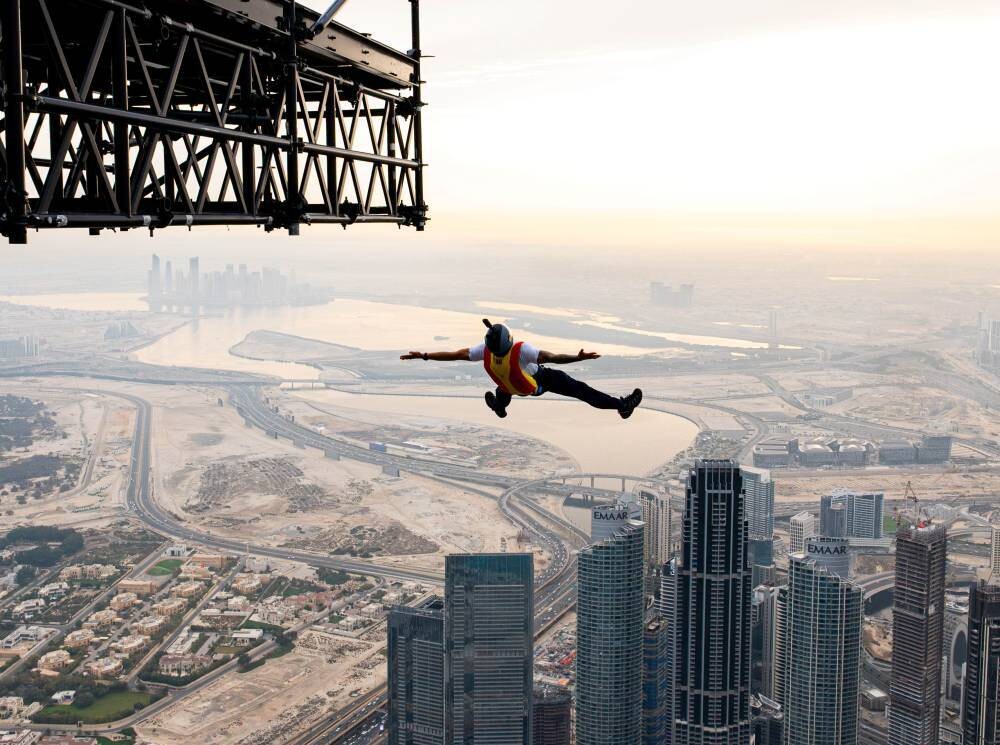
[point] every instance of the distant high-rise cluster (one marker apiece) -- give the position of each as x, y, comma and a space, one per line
20, 348
689, 651
233, 287
681, 297
987, 352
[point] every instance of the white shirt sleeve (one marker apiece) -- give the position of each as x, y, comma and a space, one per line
529, 355
477, 352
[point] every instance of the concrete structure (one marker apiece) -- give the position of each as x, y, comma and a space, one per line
759, 488
130, 644
150, 625
800, 527
980, 704
655, 514
489, 636
419, 703
918, 614
713, 611
169, 607
657, 708
551, 713
667, 610
821, 655
609, 633
772, 453
25, 634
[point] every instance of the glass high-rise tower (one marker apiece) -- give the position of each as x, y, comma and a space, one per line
820, 622
980, 700
918, 635
489, 632
418, 685
712, 685
609, 631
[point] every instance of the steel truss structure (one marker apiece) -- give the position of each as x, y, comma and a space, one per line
147, 114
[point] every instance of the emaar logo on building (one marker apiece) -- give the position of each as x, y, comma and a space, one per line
826, 550
602, 515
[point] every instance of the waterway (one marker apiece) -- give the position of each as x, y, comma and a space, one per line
600, 441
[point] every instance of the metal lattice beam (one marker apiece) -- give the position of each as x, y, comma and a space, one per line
203, 112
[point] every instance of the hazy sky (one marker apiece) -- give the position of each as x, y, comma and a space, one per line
718, 123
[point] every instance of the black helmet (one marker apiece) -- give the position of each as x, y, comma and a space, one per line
498, 338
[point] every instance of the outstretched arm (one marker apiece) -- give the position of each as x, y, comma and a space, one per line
565, 359
462, 355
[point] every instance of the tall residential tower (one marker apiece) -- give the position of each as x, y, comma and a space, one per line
609, 630
713, 611
917, 632
489, 631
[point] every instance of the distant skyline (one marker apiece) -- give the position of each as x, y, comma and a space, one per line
653, 124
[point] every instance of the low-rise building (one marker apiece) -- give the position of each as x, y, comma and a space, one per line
65, 739
209, 561
28, 609
54, 590
371, 610
170, 607
63, 698
88, 571
11, 706
179, 665
352, 623
213, 618
187, 589
238, 603
101, 619
246, 637
123, 601
149, 625
140, 587
195, 571
78, 639
55, 660
19, 737
105, 667
177, 550
129, 645
247, 584
24, 634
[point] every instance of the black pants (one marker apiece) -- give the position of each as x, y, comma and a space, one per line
556, 381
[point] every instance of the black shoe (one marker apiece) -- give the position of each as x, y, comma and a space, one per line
491, 401
629, 403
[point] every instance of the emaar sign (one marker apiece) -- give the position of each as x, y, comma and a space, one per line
606, 519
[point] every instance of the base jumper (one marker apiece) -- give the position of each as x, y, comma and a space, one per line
519, 369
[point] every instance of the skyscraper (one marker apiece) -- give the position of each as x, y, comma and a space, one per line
762, 639
655, 509
713, 611
917, 632
667, 609
418, 684
609, 631
551, 716
759, 489
800, 527
655, 684
995, 551
821, 655
863, 519
489, 632
980, 702
155, 280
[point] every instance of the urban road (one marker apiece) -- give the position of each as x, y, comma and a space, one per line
362, 722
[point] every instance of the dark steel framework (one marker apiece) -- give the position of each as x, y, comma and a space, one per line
203, 112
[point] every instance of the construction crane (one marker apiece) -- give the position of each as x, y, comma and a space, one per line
919, 514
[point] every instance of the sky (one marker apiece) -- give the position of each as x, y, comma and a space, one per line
655, 124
